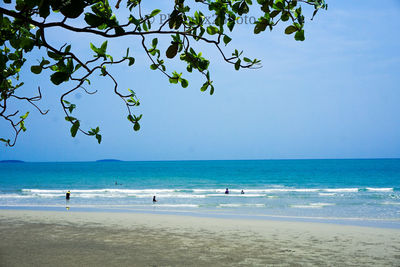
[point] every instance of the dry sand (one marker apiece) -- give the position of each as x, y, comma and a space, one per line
49, 238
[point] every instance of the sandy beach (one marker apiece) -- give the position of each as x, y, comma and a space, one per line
50, 238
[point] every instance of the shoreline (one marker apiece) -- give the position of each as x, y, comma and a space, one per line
64, 238
359, 222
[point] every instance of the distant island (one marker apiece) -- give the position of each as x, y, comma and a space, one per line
108, 160
11, 161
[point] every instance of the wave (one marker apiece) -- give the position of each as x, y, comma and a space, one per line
313, 205
341, 190
237, 195
187, 193
236, 205
105, 190
15, 196
390, 203
379, 189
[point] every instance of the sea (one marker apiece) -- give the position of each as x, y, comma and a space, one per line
362, 192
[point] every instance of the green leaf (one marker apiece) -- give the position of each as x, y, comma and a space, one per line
274, 13
227, 39
25, 116
131, 119
299, 36
237, 64
279, 4
145, 28
246, 59
174, 80
136, 126
94, 48
153, 66
260, 26
22, 126
290, 29
44, 62
155, 12
70, 118
154, 42
98, 137
74, 128
59, 77
184, 83
36, 69
77, 66
103, 47
54, 55
204, 87
131, 61
93, 20
67, 49
285, 16
72, 9
44, 9
103, 71
119, 30
71, 108
212, 90
172, 50
211, 30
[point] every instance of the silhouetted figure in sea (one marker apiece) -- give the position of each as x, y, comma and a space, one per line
67, 196
242, 192
227, 191
154, 199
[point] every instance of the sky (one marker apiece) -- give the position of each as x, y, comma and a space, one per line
335, 95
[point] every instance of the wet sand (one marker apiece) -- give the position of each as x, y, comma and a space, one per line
50, 238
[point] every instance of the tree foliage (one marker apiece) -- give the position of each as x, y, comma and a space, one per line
24, 25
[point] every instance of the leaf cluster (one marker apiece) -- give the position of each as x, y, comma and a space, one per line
24, 25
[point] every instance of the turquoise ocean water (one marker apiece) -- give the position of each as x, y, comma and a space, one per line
360, 192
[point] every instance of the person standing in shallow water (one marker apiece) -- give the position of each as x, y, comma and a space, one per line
154, 199
227, 191
67, 196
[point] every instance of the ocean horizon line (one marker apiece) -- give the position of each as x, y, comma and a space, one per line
192, 160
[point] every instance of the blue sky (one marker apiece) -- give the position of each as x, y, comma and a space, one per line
333, 96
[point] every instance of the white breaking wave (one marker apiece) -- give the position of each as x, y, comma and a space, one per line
313, 205
380, 189
275, 190
183, 193
390, 203
234, 205
106, 190
15, 196
235, 195
341, 190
